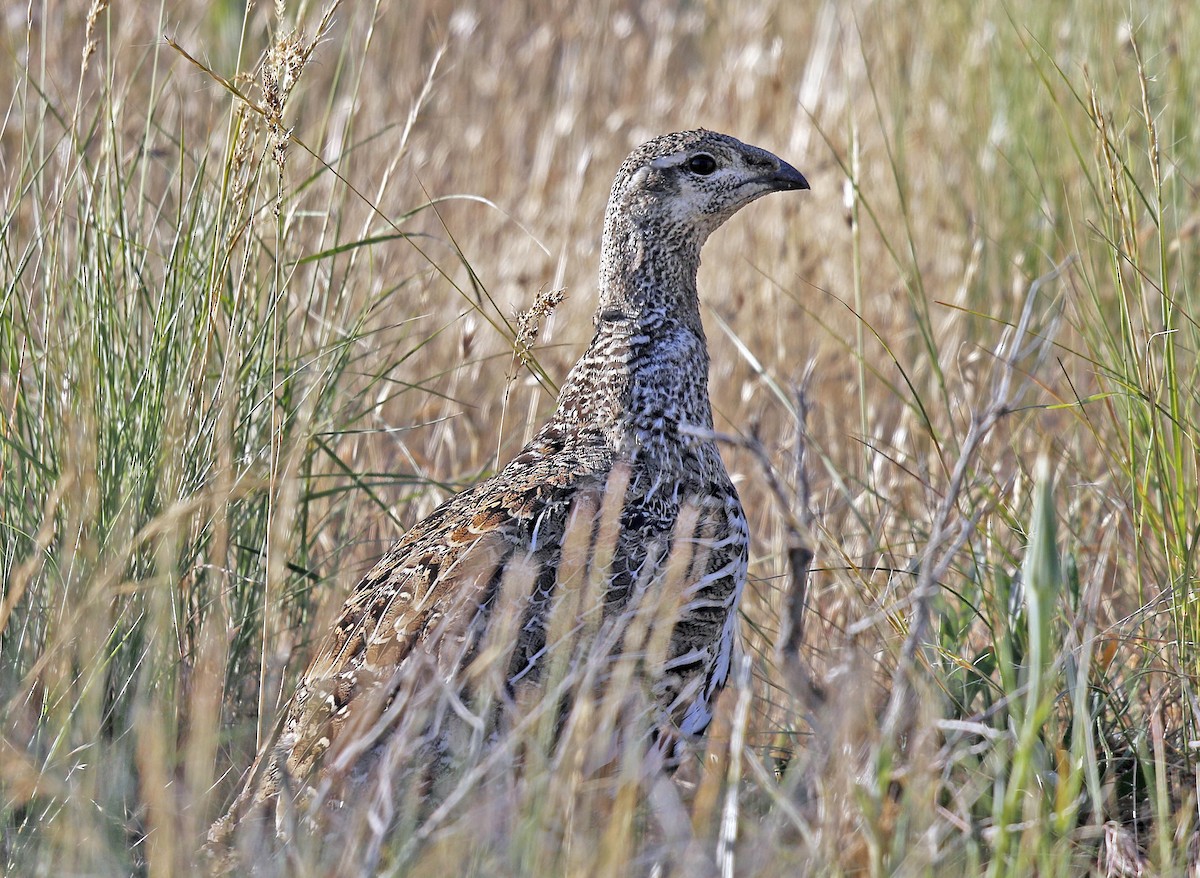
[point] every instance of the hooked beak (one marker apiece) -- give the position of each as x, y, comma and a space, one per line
787, 178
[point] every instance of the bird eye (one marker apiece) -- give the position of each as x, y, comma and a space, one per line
702, 164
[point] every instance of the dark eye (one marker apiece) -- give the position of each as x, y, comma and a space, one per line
702, 164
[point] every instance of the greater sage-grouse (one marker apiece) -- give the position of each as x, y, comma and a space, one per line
634, 418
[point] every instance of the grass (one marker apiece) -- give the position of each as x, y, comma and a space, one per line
247, 341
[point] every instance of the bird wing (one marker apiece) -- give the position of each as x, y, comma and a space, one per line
420, 612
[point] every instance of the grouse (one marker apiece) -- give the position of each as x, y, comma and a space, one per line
633, 416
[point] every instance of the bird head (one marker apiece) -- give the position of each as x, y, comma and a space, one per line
693, 181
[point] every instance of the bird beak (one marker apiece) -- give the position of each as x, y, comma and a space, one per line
787, 178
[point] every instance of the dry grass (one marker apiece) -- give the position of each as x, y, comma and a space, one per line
246, 340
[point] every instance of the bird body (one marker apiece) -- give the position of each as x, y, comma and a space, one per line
636, 404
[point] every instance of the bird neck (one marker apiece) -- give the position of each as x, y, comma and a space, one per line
648, 270
645, 373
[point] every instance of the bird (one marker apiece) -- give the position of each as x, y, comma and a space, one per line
633, 412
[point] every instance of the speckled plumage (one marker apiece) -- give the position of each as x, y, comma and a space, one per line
427, 603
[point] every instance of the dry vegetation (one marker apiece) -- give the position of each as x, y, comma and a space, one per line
246, 340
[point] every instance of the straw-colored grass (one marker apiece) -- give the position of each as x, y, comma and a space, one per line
265, 295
